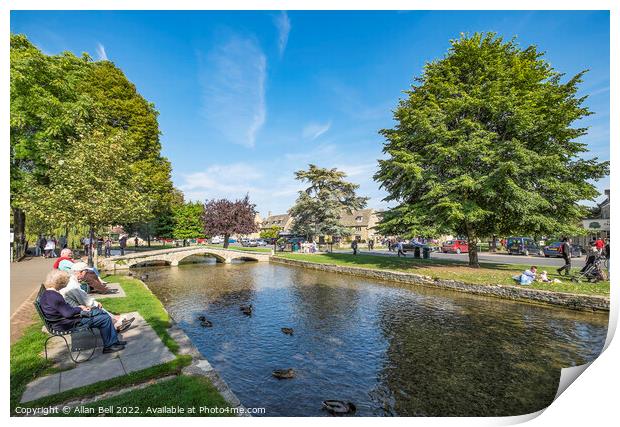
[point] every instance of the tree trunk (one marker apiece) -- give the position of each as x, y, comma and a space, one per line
91, 235
494, 245
472, 243
226, 237
19, 232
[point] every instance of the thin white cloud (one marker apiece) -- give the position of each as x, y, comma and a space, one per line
221, 181
233, 80
101, 52
313, 130
283, 24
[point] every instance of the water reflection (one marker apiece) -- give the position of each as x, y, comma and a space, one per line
390, 349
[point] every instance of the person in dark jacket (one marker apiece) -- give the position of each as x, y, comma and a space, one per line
565, 249
354, 246
66, 317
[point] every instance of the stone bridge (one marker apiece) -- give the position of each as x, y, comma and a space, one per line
175, 255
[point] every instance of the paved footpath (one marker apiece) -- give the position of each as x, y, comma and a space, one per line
26, 277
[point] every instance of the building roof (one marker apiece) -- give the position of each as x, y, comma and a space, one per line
360, 218
277, 220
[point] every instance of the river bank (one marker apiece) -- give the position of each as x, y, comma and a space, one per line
574, 301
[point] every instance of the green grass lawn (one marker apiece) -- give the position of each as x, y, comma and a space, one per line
487, 274
27, 363
182, 391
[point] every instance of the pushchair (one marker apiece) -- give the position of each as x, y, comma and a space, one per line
594, 271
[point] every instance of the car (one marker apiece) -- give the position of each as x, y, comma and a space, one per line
261, 242
216, 240
455, 246
523, 246
553, 250
250, 243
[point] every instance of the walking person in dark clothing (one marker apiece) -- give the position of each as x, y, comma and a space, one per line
354, 246
122, 242
399, 245
108, 247
565, 249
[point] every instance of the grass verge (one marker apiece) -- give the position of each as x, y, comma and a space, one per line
27, 363
183, 391
487, 274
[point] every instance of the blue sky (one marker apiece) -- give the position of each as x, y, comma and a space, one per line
247, 98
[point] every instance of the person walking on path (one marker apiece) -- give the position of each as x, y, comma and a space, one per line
354, 246
565, 250
62, 242
50, 249
108, 247
399, 245
42, 242
122, 242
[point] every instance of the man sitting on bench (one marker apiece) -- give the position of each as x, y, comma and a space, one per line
65, 262
75, 296
54, 306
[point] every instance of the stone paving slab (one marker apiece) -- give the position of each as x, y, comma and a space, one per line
86, 374
41, 387
137, 362
144, 349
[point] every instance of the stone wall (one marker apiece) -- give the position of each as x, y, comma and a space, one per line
571, 301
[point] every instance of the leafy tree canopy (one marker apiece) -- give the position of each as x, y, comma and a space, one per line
271, 233
188, 221
487, 142
225, 217
318, 208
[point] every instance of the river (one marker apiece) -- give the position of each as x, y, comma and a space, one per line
391, 349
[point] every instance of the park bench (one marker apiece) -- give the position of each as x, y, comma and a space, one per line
77, 345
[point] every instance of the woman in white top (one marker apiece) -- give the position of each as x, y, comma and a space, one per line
50, 249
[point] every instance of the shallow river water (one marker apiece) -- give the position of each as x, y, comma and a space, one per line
391, 349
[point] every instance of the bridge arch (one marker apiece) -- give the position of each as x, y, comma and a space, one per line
181, 256
138, 263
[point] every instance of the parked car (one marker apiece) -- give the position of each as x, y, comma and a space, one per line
455, 246
250, 243
412, 245
523, 246
261, 242
216, 240
553, 250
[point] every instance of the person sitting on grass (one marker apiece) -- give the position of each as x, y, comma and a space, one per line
66, 261
67, 317
527, 277
75, 296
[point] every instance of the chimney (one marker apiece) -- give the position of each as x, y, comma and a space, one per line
268, 214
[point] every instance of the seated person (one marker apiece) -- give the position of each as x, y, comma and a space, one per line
75, 296
543, 277
68, 317
65, 262
527, 277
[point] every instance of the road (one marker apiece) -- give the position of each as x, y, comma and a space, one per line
489, 257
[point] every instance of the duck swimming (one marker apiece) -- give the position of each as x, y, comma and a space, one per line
206, 324
338, 407
287, 331
284, 373
246, 309
202, 318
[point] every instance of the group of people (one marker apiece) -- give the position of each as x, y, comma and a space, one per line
46, 246
531, 275
68, 300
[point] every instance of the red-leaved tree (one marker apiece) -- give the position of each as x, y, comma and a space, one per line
225, 217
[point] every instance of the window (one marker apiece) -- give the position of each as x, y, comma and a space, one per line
358, 228
359, 218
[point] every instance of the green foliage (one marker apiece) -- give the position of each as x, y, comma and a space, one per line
271, 233
187, 221
85, 185
318, 208
485, 144
60, 103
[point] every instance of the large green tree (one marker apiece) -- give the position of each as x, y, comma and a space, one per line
46, 113
487, 143
56, 101
318, 208
85, 186
188, 221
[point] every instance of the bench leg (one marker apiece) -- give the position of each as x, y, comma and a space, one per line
74, 359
